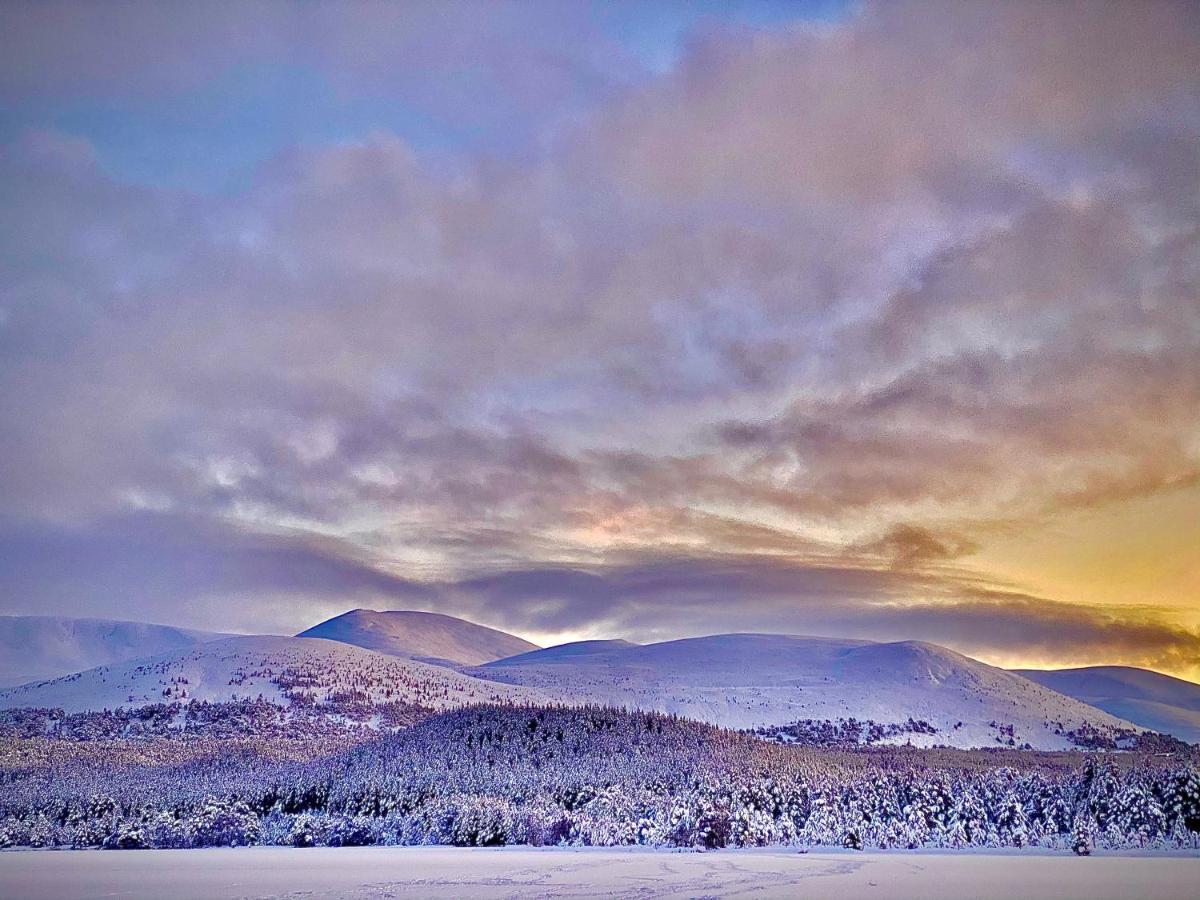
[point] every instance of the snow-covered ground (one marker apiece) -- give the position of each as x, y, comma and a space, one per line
750, 680
267, 667
733, 680
1150, 699
461, 874
34, 648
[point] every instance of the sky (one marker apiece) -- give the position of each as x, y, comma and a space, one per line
639, 320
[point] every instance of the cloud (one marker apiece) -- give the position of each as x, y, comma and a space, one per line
909, 545
225, 577
148, 565
832, 301
909, 98
657, 599
439, 53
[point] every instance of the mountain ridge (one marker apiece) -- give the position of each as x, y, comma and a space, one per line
760, 680
276, 668
413, 634
920, 691
1150, 699
36, 648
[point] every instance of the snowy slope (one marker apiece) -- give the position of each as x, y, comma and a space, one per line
749, 680
737, 680
420, 635
266, 666
1159, 702
566, 652
33, 648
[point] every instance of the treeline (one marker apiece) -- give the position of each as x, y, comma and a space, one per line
528, 775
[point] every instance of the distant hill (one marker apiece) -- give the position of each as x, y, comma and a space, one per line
574, 651
791, 686
1155, 701
753, 680
275, 668
33, 648
421, 635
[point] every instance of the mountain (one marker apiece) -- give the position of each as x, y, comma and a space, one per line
1159, 702
420, 635
911, 691
755, 680
278, 669
575, 651
33, 648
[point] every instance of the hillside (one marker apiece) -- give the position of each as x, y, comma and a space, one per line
814, 690
278, 669
1155, 701
754, 680
33, 648
431, 637
574, 651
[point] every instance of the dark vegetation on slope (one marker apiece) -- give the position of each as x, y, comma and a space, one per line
851, 732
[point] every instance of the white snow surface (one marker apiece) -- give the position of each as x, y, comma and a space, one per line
572, 652
1150, 699
734, 680
421, 635
34, 648
454, 873
751, 680
261, 666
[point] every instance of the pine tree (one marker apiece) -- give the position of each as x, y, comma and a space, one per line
1083, 838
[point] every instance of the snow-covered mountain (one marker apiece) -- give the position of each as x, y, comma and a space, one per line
735, 680
33, 648
752, 680
274, 668
420, 635
573, 652
1155, 701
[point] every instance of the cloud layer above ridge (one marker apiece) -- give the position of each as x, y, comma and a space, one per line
774, 337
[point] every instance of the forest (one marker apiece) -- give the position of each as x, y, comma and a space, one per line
248, 773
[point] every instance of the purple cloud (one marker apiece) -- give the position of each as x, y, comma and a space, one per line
779, 335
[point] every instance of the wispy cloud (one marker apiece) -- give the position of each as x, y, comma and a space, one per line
148, 564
